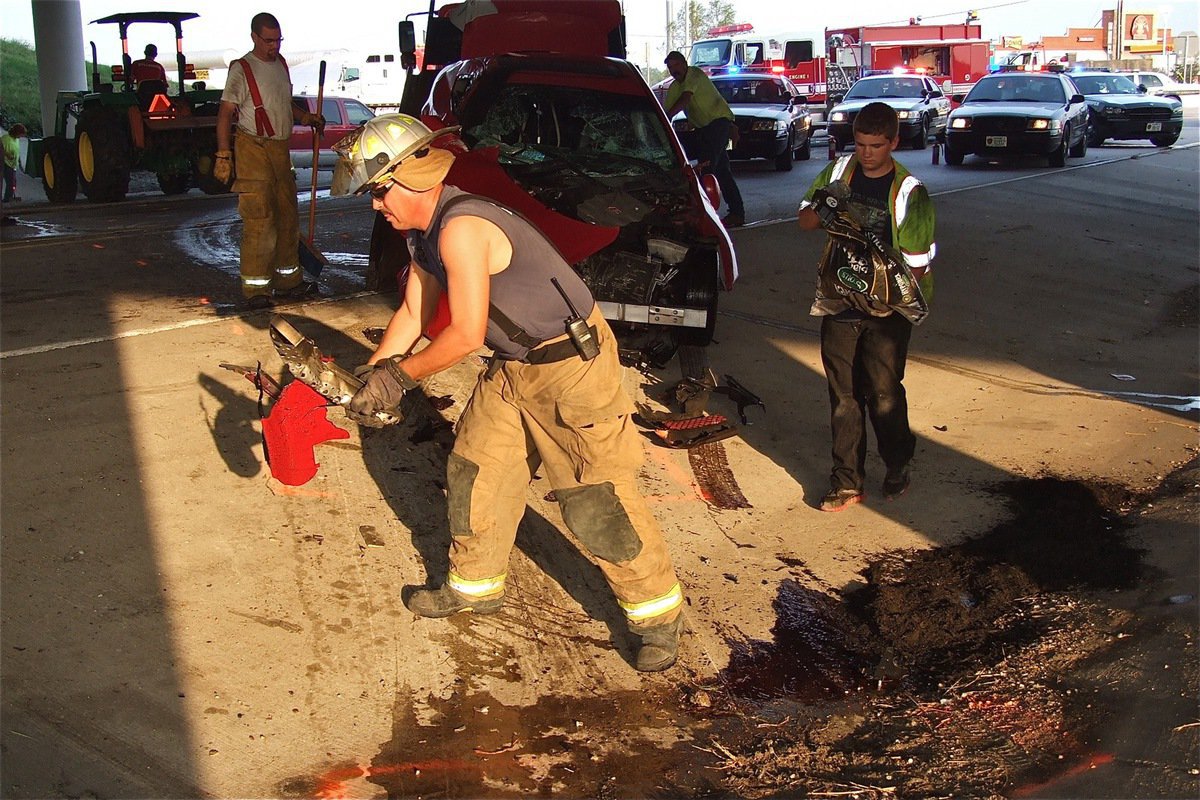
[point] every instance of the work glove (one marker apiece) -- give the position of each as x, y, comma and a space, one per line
383, 388
223, 166
312, 120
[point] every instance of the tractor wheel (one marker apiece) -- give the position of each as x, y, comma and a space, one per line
102, 145
60, 177
203, 177
173, 183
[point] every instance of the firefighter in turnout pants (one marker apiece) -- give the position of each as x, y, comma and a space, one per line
258, 92
550, 398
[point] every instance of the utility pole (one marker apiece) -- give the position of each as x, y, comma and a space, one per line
1119, 32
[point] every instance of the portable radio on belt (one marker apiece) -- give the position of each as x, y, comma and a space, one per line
578, 330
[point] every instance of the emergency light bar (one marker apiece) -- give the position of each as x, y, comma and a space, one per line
1031, 68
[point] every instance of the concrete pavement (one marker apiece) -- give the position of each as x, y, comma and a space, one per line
178, 624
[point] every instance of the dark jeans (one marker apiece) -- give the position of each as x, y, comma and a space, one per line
864, 365
713, 138
10, 182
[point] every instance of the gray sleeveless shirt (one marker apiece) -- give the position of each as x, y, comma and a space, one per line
523, 292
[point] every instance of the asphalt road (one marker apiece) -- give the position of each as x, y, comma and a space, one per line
177, 624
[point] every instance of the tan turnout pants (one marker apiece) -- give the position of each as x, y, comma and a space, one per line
266, 191
572, 418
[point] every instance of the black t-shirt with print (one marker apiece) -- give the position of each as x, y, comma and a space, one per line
869, 201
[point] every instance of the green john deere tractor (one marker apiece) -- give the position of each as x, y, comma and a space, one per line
131, 123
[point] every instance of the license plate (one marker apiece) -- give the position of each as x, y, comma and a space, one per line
1153, 127
996, 141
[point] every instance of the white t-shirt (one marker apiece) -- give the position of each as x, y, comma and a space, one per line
275, 87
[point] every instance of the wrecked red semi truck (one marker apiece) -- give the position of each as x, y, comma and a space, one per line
559, 126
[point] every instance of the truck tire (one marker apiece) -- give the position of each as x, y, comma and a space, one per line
203, 177
173, 182
703, 292
1164, 141
60, 175
102, 146
954, 158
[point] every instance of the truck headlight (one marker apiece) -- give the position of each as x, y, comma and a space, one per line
904, 114
960, 123
1040, 125
837, 116
1112, 111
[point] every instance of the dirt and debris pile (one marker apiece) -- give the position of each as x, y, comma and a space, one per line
952, 659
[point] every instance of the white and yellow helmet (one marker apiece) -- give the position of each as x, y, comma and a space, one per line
390, 147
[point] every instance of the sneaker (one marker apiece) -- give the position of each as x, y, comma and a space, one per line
734, 220
841, 499
259, 302
660, 646
444, 602
896, 482
299, 291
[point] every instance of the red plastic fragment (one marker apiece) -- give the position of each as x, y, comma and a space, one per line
296, 424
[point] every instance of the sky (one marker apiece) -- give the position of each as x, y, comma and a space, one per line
370, 25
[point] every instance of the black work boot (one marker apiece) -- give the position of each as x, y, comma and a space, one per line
660, 646
444, 602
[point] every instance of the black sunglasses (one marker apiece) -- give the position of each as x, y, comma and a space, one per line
380, 190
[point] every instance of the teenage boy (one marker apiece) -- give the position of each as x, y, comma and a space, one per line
864, 344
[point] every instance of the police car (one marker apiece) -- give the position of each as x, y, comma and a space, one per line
1020, 112
920, 103
1122, 110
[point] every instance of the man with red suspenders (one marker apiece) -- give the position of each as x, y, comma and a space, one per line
259, 92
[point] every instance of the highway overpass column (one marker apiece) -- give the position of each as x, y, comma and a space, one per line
58, 45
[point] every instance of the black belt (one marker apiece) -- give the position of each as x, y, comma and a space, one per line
559, 351
546, 354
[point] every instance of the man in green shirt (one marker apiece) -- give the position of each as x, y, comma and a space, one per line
693, 93
12, 154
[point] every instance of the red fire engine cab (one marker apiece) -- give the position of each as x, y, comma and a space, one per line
739, 48
957, 54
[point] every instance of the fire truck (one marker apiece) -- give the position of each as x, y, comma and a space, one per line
956, 55
739, 48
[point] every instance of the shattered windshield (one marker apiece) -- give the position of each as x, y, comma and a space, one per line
600, 133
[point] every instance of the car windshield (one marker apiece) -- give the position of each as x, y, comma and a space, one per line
885, 87
1018, 89
713, 53
600, 133
752, 91
1105, 84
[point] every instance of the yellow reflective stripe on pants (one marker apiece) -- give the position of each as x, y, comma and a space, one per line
640, 612
284, 272
477, 589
